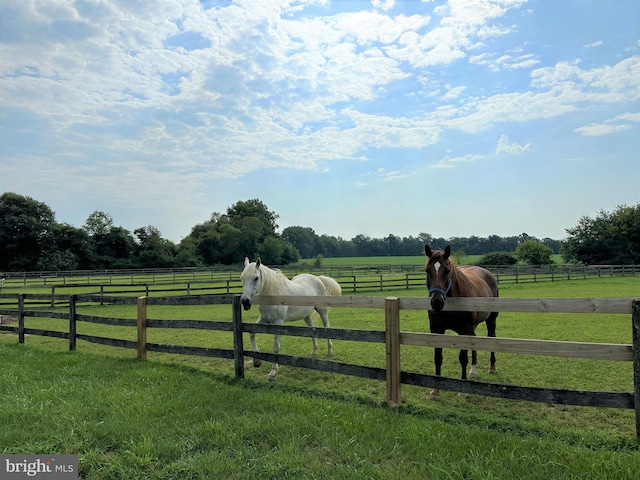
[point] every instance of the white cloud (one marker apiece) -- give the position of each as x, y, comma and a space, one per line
395, 175
189, 92
504, 146
453, 93
451, 162
610, 125
507, 61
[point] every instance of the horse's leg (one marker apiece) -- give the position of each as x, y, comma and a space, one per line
491, 332
437, 360
276, 350
324, 315
309, 323
473, 371
254, 345
463, 357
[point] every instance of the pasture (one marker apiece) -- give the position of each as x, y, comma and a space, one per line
398, 260
184, 417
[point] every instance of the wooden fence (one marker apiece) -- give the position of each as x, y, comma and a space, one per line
352, 279
220, 283
393, 337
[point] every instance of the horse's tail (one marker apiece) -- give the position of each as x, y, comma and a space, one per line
331, 286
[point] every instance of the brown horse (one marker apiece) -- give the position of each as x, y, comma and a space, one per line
444, 280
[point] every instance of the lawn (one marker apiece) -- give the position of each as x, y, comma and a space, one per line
186, 417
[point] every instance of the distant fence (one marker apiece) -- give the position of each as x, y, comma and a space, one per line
351, 279
392, 337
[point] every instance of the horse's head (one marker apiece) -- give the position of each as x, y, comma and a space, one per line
438, 268
251, 279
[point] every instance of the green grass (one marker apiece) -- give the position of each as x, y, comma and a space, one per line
397, 260
129, 419
186, 417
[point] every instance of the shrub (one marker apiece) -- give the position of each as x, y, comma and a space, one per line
497, 258
534, 253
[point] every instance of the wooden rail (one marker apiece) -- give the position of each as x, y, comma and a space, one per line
393, 337
352, 279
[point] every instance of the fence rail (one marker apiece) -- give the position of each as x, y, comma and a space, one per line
393, 337
374, 277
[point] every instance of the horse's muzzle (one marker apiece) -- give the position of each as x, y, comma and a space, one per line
437, 303
246, 303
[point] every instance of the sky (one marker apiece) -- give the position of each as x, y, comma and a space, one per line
350, 117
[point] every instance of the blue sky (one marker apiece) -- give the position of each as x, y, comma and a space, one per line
354, 117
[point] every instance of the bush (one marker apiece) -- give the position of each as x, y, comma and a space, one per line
534, 253
497, 258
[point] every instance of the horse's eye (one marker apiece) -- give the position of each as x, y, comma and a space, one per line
256, 279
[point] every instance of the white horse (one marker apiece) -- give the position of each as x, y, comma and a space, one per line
258, 279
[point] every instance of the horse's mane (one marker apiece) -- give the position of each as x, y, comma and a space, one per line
272, 280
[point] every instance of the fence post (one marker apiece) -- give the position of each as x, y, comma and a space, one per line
142, 328
392, 335
238, 344
635, 323
21, 318
72, 322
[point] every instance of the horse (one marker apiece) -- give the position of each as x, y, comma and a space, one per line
445, 279
258, 279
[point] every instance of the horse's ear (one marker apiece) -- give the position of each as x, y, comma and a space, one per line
246, 261
258, 262
447, 251
427, 251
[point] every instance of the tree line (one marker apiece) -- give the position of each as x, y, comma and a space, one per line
32, 240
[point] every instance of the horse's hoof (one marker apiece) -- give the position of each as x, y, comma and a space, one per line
473, 375
493, 370
257, 363
435, 398
271, 378
462, 395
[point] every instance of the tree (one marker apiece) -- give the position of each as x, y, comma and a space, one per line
458, 255
67, 248
497, 259
153, 250
610, 238
239, 212
534, 253
271, 250
187, 254
25, 225
117, 249
98, 224
304, 239
202, 246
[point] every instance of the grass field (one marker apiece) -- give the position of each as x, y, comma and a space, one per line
399, 260
184, 417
